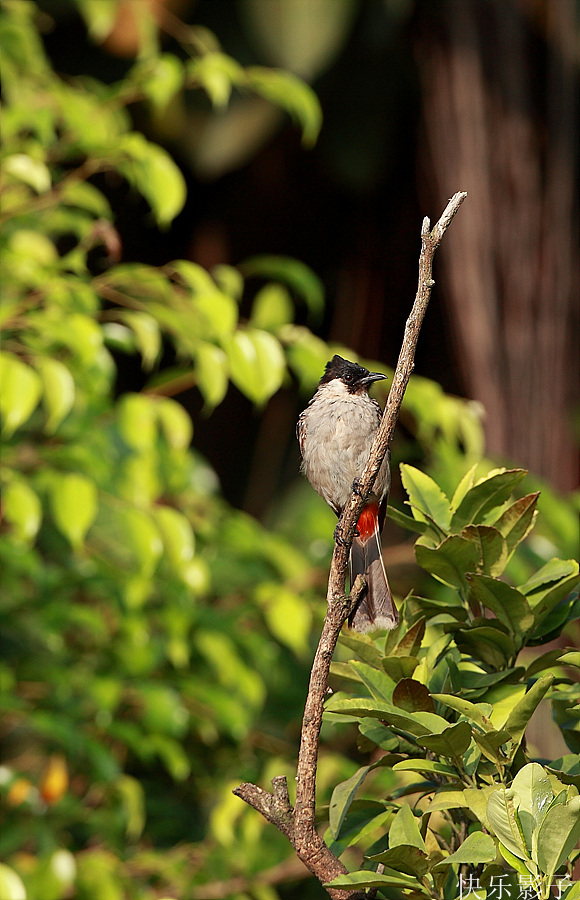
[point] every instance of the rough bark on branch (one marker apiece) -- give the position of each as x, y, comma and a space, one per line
298, 823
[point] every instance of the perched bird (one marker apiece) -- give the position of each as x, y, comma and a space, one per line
335, 432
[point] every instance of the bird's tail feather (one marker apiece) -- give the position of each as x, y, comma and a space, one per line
376, 608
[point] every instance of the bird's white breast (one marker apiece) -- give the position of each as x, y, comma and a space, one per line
336, 432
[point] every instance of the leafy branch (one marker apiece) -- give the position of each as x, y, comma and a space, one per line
298, 824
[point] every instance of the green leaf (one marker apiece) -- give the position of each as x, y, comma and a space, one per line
543, 602
518, 520
342, 797
165, 78
404, 521
211, 369
450, 561
488, 494
508, 604
178, 538
365, 879
502, 818
567, 768
292, 94
74, 504
299, 277
216, 73
20, 390
174, 422
490, 742
447, 797
521, 714
405, 643
147, 334
491, 547
554, 570
378, 683
32, 172
407, 859
426, 497
152, 171
22, 509
558, 834
535, 794
399, 667
100, 16
404, 830
257, 363
282, 605
487, 643
59, 390
137, 421
412, 696
452, 742
477, 848
475, 712
272, 308
429, 766
571, 658
463, 487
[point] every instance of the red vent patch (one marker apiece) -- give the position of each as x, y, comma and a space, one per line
368, 521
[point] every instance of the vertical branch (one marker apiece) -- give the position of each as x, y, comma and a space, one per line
298, 824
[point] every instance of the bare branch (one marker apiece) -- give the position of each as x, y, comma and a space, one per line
299, 824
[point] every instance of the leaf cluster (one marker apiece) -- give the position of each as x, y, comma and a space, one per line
444, 701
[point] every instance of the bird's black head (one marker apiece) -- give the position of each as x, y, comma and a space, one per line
356, 378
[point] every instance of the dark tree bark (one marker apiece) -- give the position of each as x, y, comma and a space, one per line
500, 115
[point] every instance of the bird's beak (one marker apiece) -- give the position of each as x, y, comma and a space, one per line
373, 376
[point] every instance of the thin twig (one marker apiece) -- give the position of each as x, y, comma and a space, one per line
298, 824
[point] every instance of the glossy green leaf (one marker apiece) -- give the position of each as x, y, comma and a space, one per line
211, 369
176, 534
30, 171
299, 277
491, 546
217, 74
366, 879
535, 794
425, 496
412, 696
74, 504
257, 363
59, 390
408, 859
447, 797
518, 520
450, 561
405, 642
22, 509
487, 643
175, 423
342, 797
378, 683
143, 539
165, 78
137, 421
20, 390
558, 834
477, 848
429, 766
502, 817
152, 171
404, 521
521, 714
552, 571
488, 494
147, 334
272, 308
398, 667
292, 94
490, 743
508, 604
452, 742
404, 830
463, 487
475, 712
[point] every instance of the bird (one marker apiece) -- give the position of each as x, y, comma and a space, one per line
335, 433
